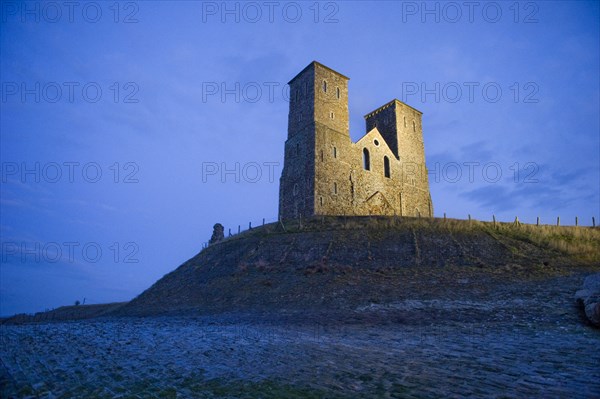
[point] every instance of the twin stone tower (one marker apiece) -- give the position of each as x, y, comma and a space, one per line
325, 173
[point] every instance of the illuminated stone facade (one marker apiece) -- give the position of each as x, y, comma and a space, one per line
325, 173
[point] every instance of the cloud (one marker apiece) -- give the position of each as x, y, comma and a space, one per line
478, 151
504, 196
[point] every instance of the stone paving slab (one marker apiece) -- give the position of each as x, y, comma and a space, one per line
197, 357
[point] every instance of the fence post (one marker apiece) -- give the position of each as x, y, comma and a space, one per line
239, 228
444, 216
538, 221
469, 218
576, 221
558, 220
263, 221
229, 232
249, 225
282, 225
494, 220
593, 221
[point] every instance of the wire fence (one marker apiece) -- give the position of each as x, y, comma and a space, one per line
233, 232
241, 229
538, 221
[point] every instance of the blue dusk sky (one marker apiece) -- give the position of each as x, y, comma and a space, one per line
129, 129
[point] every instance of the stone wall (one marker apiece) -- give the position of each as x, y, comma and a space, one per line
325, 173
296, 188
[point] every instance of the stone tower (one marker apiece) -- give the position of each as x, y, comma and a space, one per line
325, 173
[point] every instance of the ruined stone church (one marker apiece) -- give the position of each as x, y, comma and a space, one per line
325, 173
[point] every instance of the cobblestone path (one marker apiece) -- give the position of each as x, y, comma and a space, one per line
513, 357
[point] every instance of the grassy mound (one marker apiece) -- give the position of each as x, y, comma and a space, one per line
340, 263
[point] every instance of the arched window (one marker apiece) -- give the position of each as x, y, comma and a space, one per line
334, 152
386, 166
338, 92
335, 188
325, 86
366, 159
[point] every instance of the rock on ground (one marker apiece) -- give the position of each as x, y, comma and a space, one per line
589, 298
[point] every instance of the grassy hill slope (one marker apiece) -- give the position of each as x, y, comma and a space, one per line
341, 263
